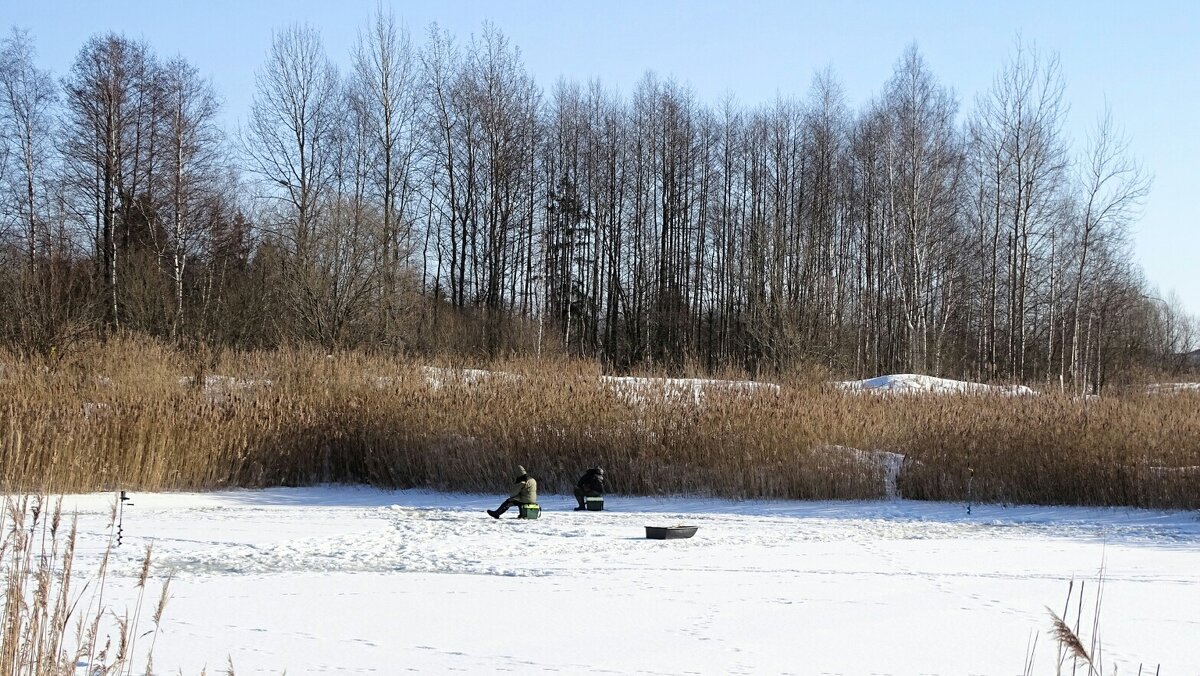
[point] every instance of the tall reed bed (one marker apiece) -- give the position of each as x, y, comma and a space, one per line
136, 415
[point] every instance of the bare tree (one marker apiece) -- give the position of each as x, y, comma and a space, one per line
440, 67
384, 93
923, 175
101, 147
1112, 186
293, 118
1019, 161
346, 239
44, 312
27, 100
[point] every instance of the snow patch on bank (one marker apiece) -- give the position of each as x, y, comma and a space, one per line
912, 383
632, 389
887, 462
639, 390
217, 388
439, 376
1173, 388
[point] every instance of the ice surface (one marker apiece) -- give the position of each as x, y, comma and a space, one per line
356, 580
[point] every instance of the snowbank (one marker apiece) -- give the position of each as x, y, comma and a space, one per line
637, 390
438, 376
218, 388
1165, 472
1173, 388
911, 383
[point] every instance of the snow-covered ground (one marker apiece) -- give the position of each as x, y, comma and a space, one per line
356, 580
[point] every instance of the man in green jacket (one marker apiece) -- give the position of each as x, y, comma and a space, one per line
526, 494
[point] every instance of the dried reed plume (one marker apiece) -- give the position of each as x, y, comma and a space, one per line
1068, 640
41, 604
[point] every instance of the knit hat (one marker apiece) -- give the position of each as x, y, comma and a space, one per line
520, 471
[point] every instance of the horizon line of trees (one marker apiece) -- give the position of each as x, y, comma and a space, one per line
433, 198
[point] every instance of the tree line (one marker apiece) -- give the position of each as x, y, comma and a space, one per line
431, 197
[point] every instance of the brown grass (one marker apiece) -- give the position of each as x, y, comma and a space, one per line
117, 416
51, 618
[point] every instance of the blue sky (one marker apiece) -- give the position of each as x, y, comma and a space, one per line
1142, 57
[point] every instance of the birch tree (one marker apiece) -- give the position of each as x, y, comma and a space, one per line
922, 173
192, 164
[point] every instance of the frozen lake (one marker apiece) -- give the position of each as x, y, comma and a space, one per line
356, 580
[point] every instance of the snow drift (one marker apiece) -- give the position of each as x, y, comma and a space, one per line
912, 383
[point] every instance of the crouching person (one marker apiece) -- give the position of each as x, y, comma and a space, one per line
525, 494
590, 485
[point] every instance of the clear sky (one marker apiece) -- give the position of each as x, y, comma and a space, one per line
1142, 57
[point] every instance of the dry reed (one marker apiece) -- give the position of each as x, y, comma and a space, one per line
134, 414
43, 599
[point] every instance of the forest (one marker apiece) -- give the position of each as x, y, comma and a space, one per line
430, 198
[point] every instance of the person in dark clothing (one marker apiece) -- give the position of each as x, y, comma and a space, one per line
525, 494
590, 485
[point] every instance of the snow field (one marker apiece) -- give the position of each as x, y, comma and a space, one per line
355, 580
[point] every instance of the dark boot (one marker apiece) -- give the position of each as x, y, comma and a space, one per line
495, 513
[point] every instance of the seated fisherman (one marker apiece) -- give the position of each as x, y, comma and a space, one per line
526, 494
590, 485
